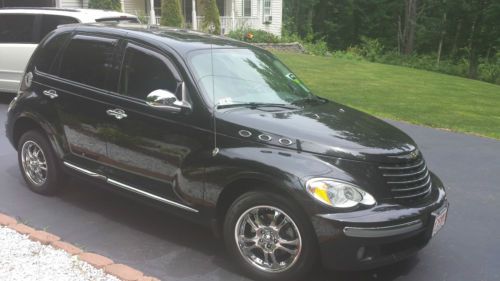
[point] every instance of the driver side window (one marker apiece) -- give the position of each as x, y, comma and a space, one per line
144, 71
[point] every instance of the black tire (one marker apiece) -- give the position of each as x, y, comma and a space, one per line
53, 175
309, 249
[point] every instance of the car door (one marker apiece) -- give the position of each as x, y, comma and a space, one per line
79, 90
150, 149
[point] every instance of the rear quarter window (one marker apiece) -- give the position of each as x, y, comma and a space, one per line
48, 50
17, 28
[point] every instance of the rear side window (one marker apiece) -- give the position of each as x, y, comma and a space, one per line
50, 22
145, 71
88, 60
48, 50
17, 28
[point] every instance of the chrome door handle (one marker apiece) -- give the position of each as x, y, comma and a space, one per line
52, 94
117, 113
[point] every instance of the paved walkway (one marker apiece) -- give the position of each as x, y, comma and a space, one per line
172, 249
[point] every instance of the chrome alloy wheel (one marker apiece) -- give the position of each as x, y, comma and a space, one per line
34, 163
268, 238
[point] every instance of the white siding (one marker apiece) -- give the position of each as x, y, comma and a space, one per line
71, 4
257, 11
239, 8
277, 14
135, 7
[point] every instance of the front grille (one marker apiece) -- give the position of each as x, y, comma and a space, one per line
407, 177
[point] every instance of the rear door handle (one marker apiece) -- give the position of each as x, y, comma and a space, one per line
52, 94
117, 113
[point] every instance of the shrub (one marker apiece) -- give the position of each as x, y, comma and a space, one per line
211, 20
371, 48
317, 48
254, 36
171, 13
105, 4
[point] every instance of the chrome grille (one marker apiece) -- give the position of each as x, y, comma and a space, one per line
408, 179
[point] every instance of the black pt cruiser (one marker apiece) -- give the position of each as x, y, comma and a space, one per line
224, 134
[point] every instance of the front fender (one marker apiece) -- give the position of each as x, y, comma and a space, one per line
283, 170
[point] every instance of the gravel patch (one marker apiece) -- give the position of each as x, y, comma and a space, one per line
24, 260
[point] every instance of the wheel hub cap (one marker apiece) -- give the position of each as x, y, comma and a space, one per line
268, 238
34, 163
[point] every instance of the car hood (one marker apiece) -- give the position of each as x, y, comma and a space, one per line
325, 128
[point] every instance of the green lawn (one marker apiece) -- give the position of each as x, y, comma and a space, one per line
401, 93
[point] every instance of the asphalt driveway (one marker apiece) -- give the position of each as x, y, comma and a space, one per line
468, 248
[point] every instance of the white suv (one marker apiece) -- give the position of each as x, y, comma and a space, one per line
22, 28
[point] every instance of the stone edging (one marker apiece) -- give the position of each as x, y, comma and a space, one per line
120, 271
294, 47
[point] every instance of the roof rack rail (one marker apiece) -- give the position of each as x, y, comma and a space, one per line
41, 8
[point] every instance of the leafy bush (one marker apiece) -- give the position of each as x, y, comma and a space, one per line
317, 48
371, 48
349, 54
105, 4
171, 13
254, 36
211, 20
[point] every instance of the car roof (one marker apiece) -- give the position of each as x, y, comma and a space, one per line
83, 15
181, 40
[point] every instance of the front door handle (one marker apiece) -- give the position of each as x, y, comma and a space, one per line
52, 94
117, 113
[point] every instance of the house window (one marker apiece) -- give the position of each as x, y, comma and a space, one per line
247, 8
266, 11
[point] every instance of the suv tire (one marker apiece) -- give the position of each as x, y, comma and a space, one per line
275, 221
38, 163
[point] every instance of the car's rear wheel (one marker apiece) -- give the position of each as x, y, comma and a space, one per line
269, 238
38, 164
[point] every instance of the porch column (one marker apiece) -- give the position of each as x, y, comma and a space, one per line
194, 20
233, 20
152, 16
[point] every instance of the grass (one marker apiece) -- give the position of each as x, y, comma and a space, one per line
401, 93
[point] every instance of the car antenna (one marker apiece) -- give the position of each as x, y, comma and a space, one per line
214, 109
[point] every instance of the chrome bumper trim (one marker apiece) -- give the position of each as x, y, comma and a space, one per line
377, 232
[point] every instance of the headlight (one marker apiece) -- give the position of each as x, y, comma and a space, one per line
338, 194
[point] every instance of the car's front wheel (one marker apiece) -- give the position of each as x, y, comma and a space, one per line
269, 238
37, 162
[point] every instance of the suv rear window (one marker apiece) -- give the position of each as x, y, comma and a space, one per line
17, 28
87, 60
50, 22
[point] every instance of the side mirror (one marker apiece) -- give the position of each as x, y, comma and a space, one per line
166, 100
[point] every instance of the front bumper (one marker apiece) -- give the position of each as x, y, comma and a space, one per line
378, 236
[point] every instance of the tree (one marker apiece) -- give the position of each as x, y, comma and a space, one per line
211, 20
105, 4
171, 14
410, 25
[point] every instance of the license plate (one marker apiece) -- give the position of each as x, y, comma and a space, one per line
440, 220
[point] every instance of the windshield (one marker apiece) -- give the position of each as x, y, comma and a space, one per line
243, 76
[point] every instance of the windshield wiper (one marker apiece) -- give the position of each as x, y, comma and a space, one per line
308, 100
254, 105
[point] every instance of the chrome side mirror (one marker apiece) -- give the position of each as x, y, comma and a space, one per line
163, 99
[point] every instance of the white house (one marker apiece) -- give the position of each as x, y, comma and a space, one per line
259, 14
